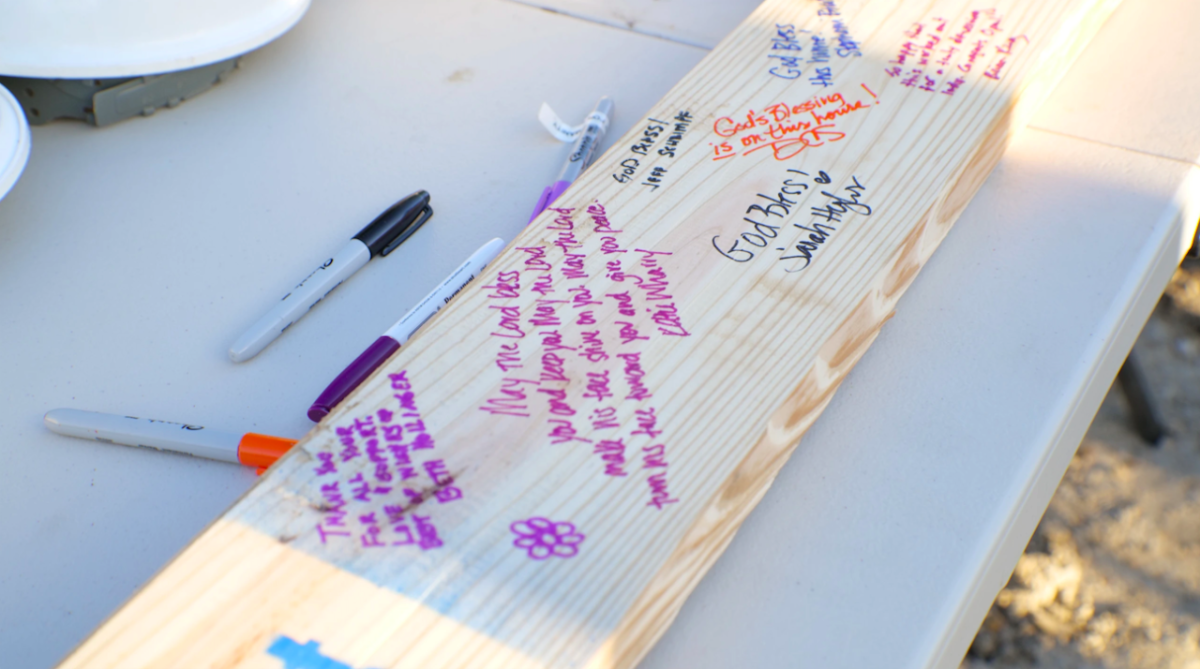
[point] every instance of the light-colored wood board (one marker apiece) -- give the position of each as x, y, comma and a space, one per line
733, 349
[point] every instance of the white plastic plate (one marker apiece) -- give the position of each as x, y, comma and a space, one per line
14, 141
81, 39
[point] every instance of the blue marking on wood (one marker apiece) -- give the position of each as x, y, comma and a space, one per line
302, 656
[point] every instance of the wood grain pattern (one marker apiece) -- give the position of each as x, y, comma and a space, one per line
662, 375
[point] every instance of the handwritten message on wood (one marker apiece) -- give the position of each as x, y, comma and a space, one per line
541, 475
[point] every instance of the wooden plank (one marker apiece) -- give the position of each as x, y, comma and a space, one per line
554, 462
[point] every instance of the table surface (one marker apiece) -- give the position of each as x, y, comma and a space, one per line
133, 255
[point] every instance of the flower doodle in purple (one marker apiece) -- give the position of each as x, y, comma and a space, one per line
542, 537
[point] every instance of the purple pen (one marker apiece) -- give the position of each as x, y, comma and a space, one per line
383, 348
581, 155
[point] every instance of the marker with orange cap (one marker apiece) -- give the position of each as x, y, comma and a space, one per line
252, 450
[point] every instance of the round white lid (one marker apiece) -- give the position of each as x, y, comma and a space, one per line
14, 141
84, 39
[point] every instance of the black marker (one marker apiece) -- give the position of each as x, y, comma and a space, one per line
384, 234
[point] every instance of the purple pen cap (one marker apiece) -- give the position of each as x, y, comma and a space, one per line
548, 197
350, 378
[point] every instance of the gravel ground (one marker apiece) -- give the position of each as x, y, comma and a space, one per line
1111, 577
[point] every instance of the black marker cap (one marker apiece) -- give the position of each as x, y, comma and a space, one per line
397, 224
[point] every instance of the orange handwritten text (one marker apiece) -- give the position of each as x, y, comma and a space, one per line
784, 129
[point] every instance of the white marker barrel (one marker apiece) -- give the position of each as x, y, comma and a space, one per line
303, 297
440, 296
130, 431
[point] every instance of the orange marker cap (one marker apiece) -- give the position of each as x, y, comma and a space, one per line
261, 450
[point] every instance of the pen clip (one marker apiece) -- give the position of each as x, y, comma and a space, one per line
426, 213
